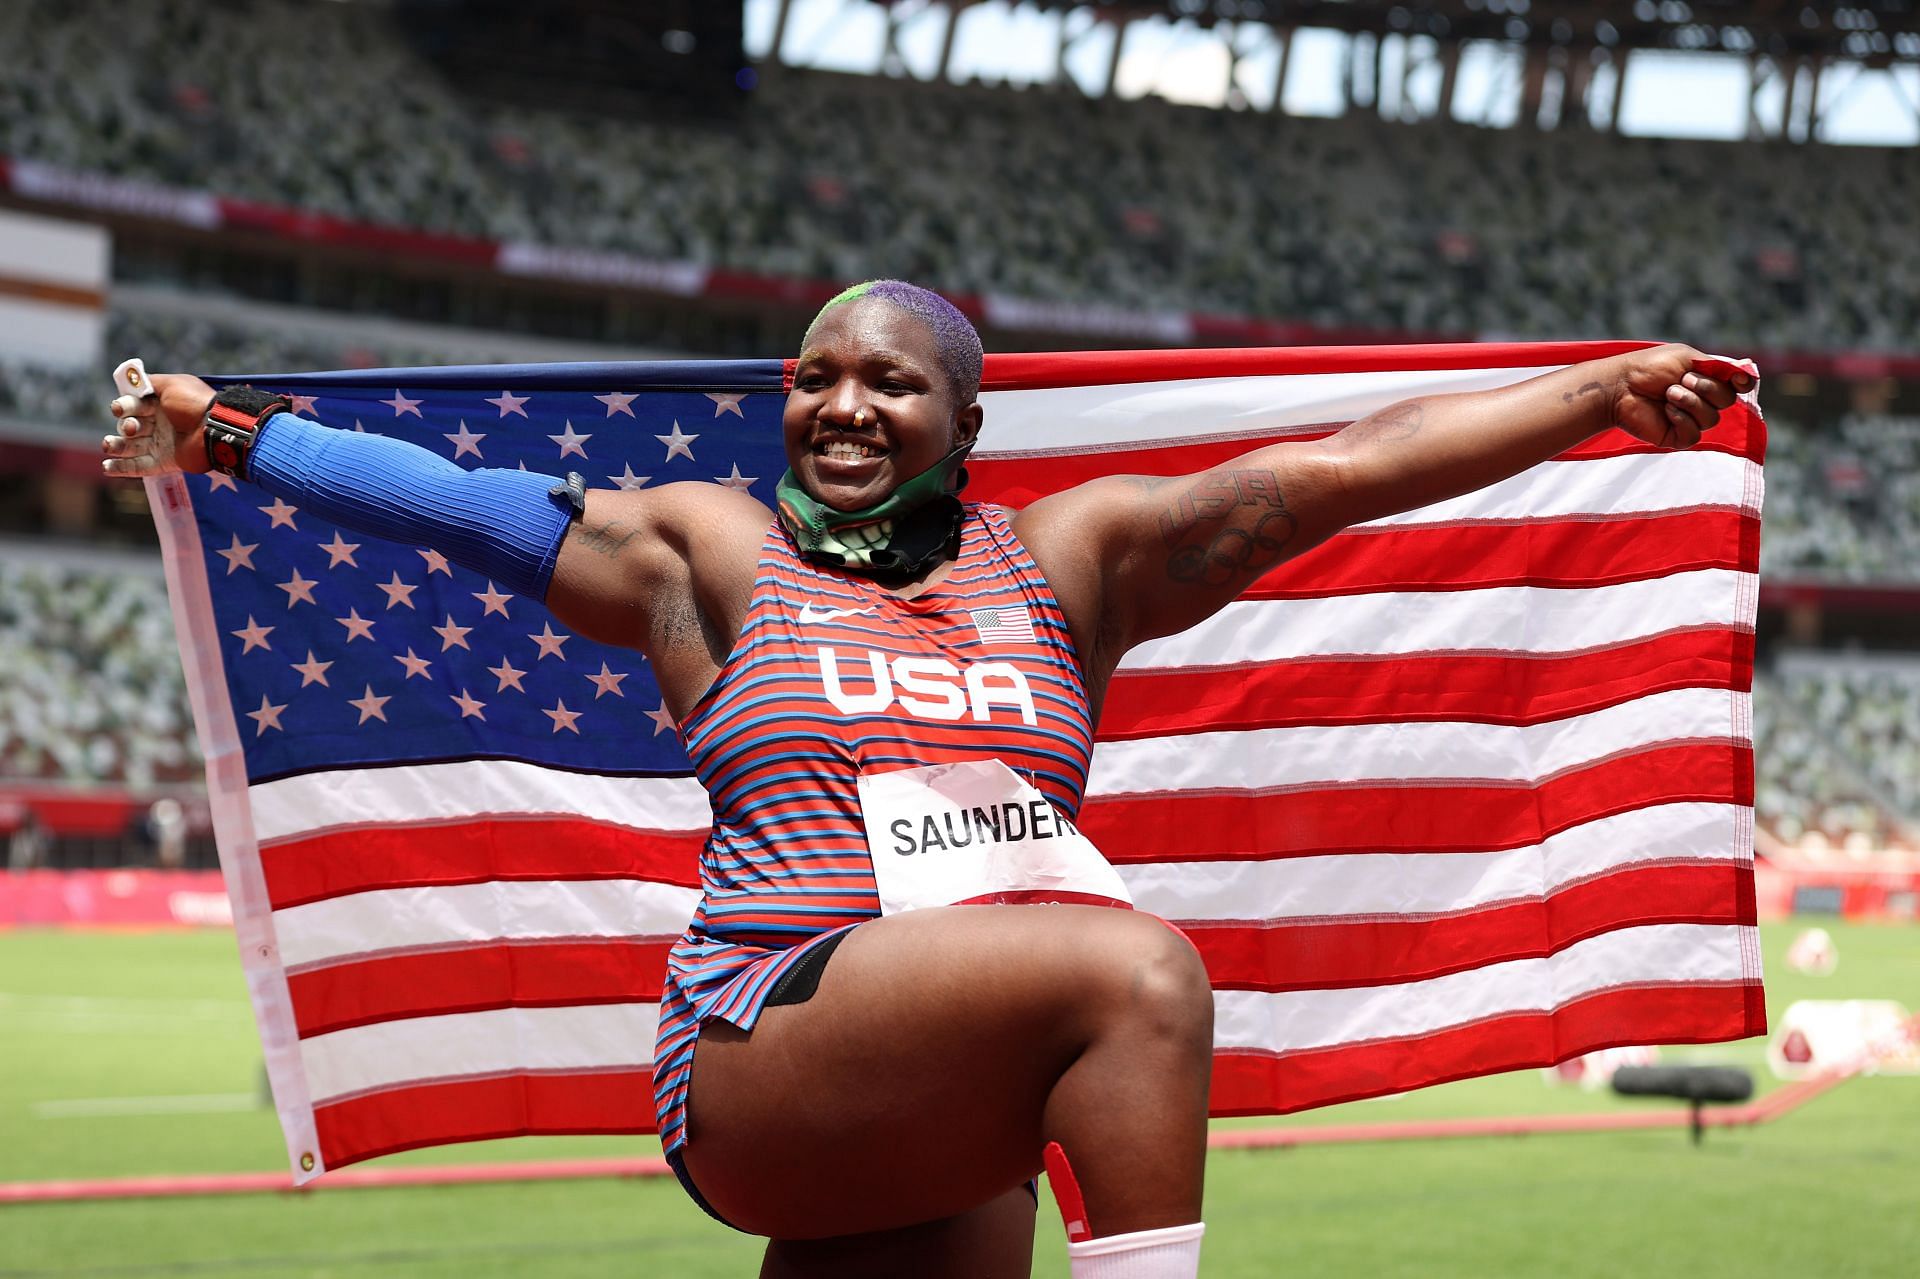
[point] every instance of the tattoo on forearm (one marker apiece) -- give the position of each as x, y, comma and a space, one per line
604, 539
1570, 396
1389, 426
1227, 527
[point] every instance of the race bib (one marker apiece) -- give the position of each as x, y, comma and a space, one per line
976, 833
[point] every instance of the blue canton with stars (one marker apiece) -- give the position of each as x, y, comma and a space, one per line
344, 650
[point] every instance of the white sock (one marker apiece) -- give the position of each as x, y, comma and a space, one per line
1172, 1252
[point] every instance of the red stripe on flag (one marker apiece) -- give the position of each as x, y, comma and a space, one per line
1311, 954
1038, 370
608, 1101
1248, 1082
358, 859
1544, 552
1445, 816
1486, 688
465, 979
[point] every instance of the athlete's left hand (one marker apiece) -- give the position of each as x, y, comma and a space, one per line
1669, 395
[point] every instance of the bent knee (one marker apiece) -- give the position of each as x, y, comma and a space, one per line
1155, 978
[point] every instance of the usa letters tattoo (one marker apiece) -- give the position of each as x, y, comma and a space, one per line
1227, 527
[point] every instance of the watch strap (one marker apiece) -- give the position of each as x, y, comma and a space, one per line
232, 421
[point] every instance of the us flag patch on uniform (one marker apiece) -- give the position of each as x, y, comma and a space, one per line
993, 624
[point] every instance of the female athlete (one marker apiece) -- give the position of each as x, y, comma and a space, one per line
875, 1088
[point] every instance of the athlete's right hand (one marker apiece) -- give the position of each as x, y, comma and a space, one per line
162, 432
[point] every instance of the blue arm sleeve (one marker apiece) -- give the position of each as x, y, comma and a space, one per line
503, 524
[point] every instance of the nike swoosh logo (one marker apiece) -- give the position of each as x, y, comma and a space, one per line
808, 613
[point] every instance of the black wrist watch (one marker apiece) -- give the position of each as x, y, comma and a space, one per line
232, 420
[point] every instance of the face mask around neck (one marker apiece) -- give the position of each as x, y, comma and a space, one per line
894, 540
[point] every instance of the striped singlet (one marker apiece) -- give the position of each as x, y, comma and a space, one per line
830, 676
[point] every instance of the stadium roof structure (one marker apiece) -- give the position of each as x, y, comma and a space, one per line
1877, 32
1790, 46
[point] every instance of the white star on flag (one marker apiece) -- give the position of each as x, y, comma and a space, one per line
724, 402
299, 589
312, 671
606, 682
679, 444
662, 719
339, 551
281, 514
494, 600
627, 480
357, 427
268, 716
239, 555
396, 591
470, 707
465, 442
510, 403
571, 441
508, 676
253, 635
217, 481
304, 404
401, 404
738, 482
562, 717
436, 563
414, 665
617, 403
549, 642
452, 635
370, 706
357, 626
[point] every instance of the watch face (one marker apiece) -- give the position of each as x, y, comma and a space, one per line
224, 454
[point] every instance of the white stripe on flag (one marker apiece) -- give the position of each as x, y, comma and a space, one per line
1390, 885
1076, 418
348, 797
1657, 953
1498, 619
499, 1041
1320, 755
393, 919
1601, 486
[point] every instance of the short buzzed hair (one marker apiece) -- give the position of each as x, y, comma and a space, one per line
953, 334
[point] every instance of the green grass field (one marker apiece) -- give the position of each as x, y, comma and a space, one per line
135, 1053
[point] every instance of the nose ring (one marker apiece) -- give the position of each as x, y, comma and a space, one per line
859, 419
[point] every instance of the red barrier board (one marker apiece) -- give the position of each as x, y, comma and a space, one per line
114, 899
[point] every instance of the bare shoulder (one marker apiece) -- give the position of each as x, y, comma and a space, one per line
1075, 539
1075, 527
679, 521
649, 553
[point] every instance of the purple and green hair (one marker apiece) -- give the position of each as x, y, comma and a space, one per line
953, 334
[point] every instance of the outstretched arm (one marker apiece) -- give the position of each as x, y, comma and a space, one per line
1172, 551
628, 560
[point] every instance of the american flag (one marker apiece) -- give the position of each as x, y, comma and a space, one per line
994, 624
1464, 790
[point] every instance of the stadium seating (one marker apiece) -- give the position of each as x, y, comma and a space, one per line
1843, 500
1040, 193
1839, 752
90, 683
